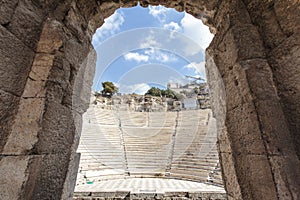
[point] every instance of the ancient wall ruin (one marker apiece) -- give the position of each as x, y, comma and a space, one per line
253, 71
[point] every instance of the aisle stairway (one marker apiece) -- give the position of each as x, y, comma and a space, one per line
195, 154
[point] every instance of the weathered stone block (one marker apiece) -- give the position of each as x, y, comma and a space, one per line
50, 177
24, 132
243, 130
288, 22
236, 87
231, 13
58, 139
60, 71
286, 176
8, 109
76, 52
16, 60
76, 22
35, 86
229, 176
224, 145
255, 177
274, 128
70, 180
247, 42
128, 3
83, 81
26, 23
51, 39
13, 173
217, 90
59, 81
80, 100
263, 15
284, 61
87, 9
239, 43
260, 79
7, 8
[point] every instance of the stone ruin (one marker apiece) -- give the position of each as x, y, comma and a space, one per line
137, 103
252, 69
141, 103
148, 103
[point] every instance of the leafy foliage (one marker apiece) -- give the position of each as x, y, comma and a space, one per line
154, 91
109, 89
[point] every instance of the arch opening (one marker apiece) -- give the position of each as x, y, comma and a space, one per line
164, 53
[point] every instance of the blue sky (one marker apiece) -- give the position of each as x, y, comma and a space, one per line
142, 47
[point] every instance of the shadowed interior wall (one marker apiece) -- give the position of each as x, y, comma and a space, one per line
46, 72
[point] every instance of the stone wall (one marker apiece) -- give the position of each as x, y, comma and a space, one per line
45, 78
258, 132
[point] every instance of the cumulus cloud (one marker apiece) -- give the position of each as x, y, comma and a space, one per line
172, 26
111, 26
198, 68
151, 55
139, 88
196, 30
136, 57
160, 56
150, 50
159, 12
149, 42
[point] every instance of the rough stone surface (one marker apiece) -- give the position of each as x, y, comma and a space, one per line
16, 60
32, 110
7, 8
13, 176
70, 181
50, 177
26, 23
59, 139
280, 30
284, 61
8, 109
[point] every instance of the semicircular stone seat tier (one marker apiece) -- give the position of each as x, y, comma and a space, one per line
149, 188
125, 144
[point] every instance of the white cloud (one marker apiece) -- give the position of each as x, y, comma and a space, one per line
172, 26
136, 57
196, 30
160, 56
153, 52
111, 25
139, 88
151, 55
198, 68
149, 42
158, 12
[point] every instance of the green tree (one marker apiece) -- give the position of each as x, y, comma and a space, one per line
169, 93
109, 89
166, 93
153, 91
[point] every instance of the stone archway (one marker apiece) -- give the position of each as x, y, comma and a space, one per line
45, 51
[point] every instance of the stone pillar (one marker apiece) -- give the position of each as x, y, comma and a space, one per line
38, 160
279, 26
258, 153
